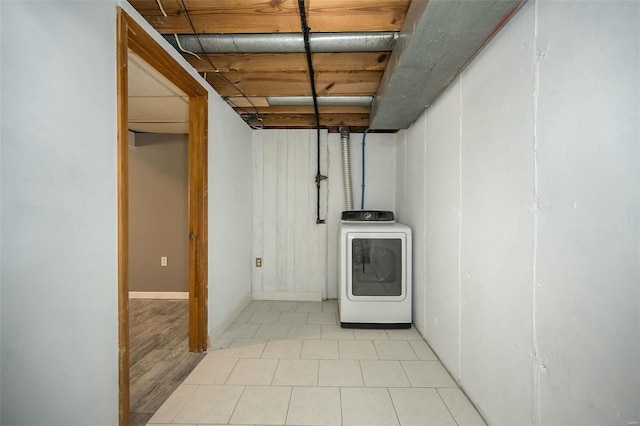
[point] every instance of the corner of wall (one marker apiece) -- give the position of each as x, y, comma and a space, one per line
1, 334
460, 212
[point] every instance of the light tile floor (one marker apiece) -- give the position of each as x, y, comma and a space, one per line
290, 363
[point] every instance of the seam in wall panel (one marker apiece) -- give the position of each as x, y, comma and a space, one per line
460, 231
536, 362
424, 227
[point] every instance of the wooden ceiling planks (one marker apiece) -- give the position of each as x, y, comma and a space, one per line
291, 62
304, 117
323, 109
309, 120
363, 83
274, 16
259, 75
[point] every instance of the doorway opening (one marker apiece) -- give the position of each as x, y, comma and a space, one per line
159, 356
132, 38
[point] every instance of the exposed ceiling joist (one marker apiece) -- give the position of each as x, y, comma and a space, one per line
308, 109
284, 62
322, 100
297, 83
438, 39
309, 121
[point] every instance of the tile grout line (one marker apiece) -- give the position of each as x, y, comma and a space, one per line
235, 407
395, 410
364, 385
286, 416
447, 406
181, 405
275, 372
406, 374
375, 348
341, 413
414, 351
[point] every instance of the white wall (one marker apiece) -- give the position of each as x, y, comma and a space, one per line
230, 211
59, 214
588, 177
0, 209
497, 225
414, 205
285, 234
298, 255
527, 171
380, 173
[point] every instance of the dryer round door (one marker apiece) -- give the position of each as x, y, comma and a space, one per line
376, 266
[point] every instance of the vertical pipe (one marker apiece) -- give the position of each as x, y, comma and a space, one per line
305, 35
318, 174
346, 167
364, 139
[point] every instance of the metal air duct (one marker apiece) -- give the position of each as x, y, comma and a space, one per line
285, 42
438, 39
346, 167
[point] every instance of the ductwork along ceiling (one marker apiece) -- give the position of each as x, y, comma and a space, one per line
378, 63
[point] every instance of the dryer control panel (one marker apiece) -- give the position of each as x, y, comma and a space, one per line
367, 216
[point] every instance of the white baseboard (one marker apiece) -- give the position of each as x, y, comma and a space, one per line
220, 329
158, 295
298, 296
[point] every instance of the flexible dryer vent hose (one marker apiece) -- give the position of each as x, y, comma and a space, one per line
346, 167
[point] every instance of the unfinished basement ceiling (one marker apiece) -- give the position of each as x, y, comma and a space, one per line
248, 42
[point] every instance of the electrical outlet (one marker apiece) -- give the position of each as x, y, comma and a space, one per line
163, 261
258, 262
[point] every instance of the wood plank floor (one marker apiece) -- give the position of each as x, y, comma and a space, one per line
159, 355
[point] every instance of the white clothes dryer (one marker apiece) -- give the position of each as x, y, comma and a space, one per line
375, 271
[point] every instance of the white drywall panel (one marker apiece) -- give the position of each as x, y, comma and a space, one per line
59, 214
380, 170
380, 187
414, 216
588, 260
0, 204
230, 210
497, 224
442, 227
285, 234
401, 178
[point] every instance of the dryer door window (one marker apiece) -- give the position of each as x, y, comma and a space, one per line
376, 267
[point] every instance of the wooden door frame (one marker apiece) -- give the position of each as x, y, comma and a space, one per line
131, 36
